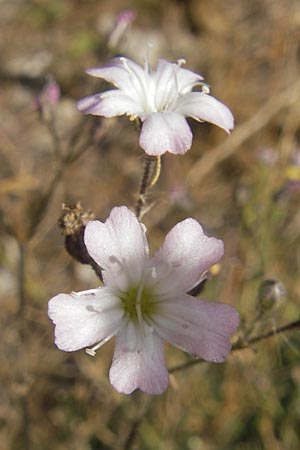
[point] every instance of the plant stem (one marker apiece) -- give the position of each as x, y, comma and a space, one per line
240, 345
21, 279
143, 404
146, 183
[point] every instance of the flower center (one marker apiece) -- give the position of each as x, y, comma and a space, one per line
155, 91
138, 302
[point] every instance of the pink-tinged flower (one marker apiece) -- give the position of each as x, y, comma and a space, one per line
143, 302
123, 22
49, 95
161, 98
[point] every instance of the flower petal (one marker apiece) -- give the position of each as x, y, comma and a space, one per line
174, 76
119, 246
165, 85
120, 72
108, 104
204, 107
82, 319
197, 326
186, 253
186, 80
143, 368
165, 132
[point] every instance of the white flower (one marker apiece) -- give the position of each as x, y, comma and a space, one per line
144, 302
161, 98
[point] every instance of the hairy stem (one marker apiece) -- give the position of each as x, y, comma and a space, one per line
146, 182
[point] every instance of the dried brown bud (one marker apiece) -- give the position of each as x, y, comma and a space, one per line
74, 218
73, 223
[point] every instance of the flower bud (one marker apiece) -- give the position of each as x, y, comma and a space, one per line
123, 22
270, 294
48, 98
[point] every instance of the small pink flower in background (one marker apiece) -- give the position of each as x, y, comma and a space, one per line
49, 95
179, 195
123, 22
161, 98
143, 302
47, 99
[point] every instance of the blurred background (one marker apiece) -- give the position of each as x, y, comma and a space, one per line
243, 188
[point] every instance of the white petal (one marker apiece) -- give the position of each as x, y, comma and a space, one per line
165, 132
120, 72
144, 368
197, 326
108, 104
186, 253
82, 319
186, 80
166, 89
207, 108
119, 246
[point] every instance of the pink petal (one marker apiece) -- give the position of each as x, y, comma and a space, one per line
165, 132
119, 246
197, 326
83, 319
108, 104
207, 108
143, 368
186, 253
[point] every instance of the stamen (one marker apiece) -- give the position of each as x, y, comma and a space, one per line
92, 351
181, 61
125, 63
171, 93
138, 81
205, 88
82, 293
146, 64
